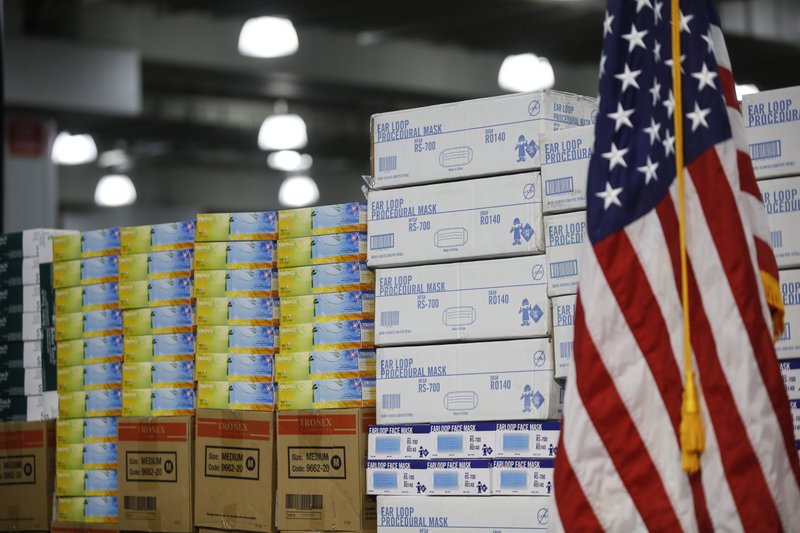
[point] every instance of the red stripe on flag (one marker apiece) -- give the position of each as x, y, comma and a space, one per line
748, 486
747, 178
628, 281
574, 510
619, 434
728, 88
716, 198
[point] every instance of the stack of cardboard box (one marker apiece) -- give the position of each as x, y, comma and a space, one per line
88, 332
157, 301
772, 127
474, 414
24, 392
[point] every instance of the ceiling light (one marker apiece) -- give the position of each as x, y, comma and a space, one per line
114, 190
268, 37
113, 158
745, 89
282, 131
525, 72
71, 149
289, 161
298, 191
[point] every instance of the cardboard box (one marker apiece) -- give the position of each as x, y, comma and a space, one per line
158, 237
254, 226
158, 320
480, 300
321, 336
90, 324
522, 477
293, 366
465, 477
21, 355
155, 474
237, 339
29, 243
163, 347
235, 255
87, 298
93, 350
235, 470
156, 265
158, 375
790, 370
95, 456
93, 243
327, 307
21, 327
409, 514
496, 135
462, 440
156, 293
238, 395
564, 332
89, 509
88, 404
28, 473
245, 283
22, 299
463, 382
334, 364
42, 407
235, 367
158, 402
321, 474
398, 476
296, 395
788, 346
322, 249
86, 430
782, 203
319, 279
565, 168
411, 441
238, 312
772, 127
322, 220
19, 272
564, 236
491, 217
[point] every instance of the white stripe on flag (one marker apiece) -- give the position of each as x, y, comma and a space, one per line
720, 50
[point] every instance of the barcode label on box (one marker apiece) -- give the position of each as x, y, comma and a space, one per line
563, 269
387, 163
777, 238
139, 503
558, 186
765, 150
565, 349
381, 242
304, 502
390, 318
390, 401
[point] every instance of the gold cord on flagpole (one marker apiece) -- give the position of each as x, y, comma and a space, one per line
691, 431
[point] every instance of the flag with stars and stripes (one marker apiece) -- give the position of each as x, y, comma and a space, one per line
619, 460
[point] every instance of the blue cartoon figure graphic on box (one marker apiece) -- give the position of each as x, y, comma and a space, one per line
527, 312
525, 148
516, 229
527, 399
421, 488
549, 487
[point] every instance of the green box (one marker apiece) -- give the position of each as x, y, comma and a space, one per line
70, 482
69, 431
137, 348
69, 326
293, 366
133, 294
69, 457
297, 338
294, 395
293, 223
137, 402
136, 376
67, 247
70, 379
67, 274
251, 226
133, 267
213, 394
134, 240
297, 309
294, 252
69, 300
69, 353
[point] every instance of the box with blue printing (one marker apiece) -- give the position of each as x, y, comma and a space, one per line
95, 376
89, 271
333, 364
158, 237
565, 235
30, 243
86, 482
158, 320
522, 477
398, 476
89, 509
788, 345
81, 404
156, 293
322, 249
235, 255
250, 226
319, 279
92, 350
411, 441
563, 332
565, 168
156, 265
158, 402
235, 367
339, 393
91, 456
93, 243
240, 396
321, 336
794, 405
328, 307
158, 375
90, 324
322, 220
238, 311
781, 199
237, 339
790, 370
86, 430
244, 283
467, 477
88, 298
772, 128
162, 347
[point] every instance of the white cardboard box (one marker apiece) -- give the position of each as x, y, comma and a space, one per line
42, 407
396, 477
565, 168
490, 217
496, 135
465, 477
481, 381
33, 381
523, 439
495, 514
30, 243
788, 346
772, 126
782, 201
563, 332
30, 330
479, 300
795, 407
564, 238
410, 441
522, 477
462, 440
790, 370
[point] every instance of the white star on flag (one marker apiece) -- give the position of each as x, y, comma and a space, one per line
621, 117
652, 131
709, 39
655, 90
669, 103
607, 24
698, 117
657, 51
628, 77
657, 11
705, 78
670, 62
640, 4
635, 38
685, 19
669, 144
610, 196
649, 171
603, 59
616, 157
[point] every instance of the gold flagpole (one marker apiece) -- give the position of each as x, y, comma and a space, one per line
692, 434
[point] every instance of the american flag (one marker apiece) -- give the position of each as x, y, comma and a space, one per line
619, 461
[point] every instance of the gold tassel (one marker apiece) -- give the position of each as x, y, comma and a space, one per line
772, 290
692, 433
